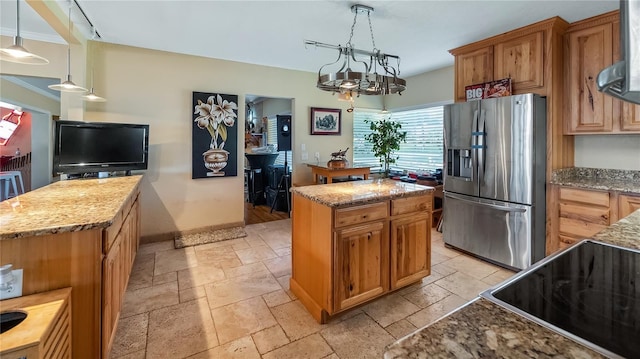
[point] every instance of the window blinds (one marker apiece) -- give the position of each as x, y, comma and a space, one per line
423, 151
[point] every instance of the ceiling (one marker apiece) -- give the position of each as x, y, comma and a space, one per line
271, 33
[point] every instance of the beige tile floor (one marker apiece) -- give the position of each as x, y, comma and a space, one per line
231, 299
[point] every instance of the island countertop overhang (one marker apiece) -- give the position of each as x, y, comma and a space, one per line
492, 321
360, 192
66, 206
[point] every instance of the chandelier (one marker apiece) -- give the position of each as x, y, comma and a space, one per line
375, 73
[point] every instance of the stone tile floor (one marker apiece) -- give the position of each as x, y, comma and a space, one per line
231, 299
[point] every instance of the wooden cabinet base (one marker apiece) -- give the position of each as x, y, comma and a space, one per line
319, 314
342, 258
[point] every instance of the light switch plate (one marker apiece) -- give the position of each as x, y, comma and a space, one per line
304, 156
16, 290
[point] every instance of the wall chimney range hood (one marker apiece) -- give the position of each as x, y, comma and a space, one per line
622, 79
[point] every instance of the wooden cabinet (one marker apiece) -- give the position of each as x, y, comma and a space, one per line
92, 260
342, 257
522, 60
589, 51
531, 56
410, 249
583, 213
46, 331
627, 204
590, 46
471, 68
117, 267
361, 264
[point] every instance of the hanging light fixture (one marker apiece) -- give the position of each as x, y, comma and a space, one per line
68, 85
16, 52
377, 75
91, 96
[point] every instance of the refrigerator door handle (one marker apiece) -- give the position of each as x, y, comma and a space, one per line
494, 206
481, 144
474, 144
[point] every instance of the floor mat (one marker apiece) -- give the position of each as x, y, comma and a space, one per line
211, 236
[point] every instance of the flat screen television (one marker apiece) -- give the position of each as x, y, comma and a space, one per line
87, 147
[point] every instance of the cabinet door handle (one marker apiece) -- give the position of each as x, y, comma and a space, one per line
368, 236
350, 287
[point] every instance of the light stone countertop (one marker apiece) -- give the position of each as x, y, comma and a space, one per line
65, 206
599, 179
484, 329
360, 192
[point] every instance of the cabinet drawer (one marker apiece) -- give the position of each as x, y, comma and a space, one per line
578, 228
361, 214
592, 214
111, 232
411, 204
584, 196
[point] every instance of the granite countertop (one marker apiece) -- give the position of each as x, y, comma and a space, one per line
484, 329
360, 192
65, 206
597, 178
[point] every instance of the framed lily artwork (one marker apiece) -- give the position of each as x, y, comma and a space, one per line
215, 135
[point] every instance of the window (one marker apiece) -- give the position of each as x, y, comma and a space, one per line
272, 139
423, 151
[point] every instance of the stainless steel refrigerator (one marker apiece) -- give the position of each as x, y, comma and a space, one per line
494, 179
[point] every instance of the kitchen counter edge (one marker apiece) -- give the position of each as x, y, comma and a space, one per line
626, 181
66, 206
360, 192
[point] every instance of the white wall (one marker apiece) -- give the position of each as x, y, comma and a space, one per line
427, 88
608, 151
276, 106
155, 87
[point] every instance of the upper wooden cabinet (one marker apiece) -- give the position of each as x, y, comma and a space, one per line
525, 55
521, 59
590, 46
472, 68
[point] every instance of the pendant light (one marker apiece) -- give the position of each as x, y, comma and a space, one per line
374, 72
91, 96
16, 52
68, 85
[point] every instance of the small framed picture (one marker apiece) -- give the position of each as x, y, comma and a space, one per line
325, 121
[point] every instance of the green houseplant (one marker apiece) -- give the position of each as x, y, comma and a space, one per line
385, 138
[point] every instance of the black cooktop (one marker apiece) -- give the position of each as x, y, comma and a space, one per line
591, 291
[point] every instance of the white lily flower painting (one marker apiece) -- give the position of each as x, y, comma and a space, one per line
215, 135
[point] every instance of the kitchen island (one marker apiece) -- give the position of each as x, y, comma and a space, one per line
355, 241
484, 329
82, 234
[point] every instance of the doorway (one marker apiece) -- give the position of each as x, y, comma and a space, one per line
31, 151
265, 199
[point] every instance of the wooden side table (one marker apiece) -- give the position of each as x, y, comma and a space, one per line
330, 173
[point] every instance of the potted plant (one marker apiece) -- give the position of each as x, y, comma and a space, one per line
385, 138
